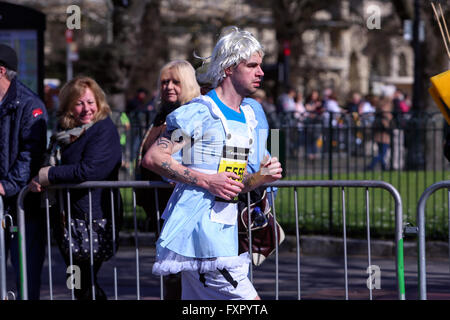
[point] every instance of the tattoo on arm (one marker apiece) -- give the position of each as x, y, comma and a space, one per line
163, 142
175, 175
248, 180
191, 179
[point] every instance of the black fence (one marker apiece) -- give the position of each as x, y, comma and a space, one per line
340, 147
344, 146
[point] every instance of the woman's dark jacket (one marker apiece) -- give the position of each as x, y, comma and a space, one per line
95, 156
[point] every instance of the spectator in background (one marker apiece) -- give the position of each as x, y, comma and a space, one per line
137, 110
299, 106
354, 108
124, 129
51, 97
366, 118
313, 103
260, 96
286, 101
326, 95
382, 133
331, 109
368, 104
314, 110
270, 104
367, 110
400, 120
405, 104
123, 124
331, 116
23, 130
354, 103
86, 148
286, 109
51, 92
400, 108
398, 96
331, 105
139, 102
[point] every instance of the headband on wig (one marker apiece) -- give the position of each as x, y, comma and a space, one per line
233, 47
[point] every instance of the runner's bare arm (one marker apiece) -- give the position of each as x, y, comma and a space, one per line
270, 171
159, 159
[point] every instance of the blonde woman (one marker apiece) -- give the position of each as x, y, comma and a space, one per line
177, 86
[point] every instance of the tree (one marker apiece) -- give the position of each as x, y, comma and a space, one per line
290, 20
434, 58
134, 55
432, 61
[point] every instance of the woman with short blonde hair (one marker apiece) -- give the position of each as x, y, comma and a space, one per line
185, 74
177, 86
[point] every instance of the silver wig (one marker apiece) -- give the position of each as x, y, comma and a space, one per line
233, 47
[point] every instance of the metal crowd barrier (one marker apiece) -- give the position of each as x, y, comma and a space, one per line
2, 253
85, 185
348, 184
421, 232
280, 184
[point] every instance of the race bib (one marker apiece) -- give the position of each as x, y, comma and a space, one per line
234, 159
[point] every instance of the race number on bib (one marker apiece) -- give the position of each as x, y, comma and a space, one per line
234, 159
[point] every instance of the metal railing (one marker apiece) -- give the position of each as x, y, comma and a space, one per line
281, 184
342, 184
4, 294
341, 146
421, 233
2, 252
345, 150
85, 185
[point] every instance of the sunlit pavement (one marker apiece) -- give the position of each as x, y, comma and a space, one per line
321, 277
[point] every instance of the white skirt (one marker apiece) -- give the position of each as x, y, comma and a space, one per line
168, 262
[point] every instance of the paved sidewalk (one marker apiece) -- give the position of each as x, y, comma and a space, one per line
322, 275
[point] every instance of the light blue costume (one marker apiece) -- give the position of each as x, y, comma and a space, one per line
258, 153
262, 132
190, 239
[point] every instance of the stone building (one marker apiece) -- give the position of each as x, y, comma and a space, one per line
344, 48
357, 46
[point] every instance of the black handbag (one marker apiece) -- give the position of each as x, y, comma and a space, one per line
80, 240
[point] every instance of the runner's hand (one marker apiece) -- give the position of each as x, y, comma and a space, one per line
225, 185
270, 169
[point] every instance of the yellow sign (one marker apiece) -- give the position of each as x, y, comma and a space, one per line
440, 92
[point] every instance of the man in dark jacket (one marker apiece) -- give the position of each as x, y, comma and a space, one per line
23, 129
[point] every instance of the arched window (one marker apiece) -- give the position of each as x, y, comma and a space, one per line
402, 65
354, 77
379, 66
